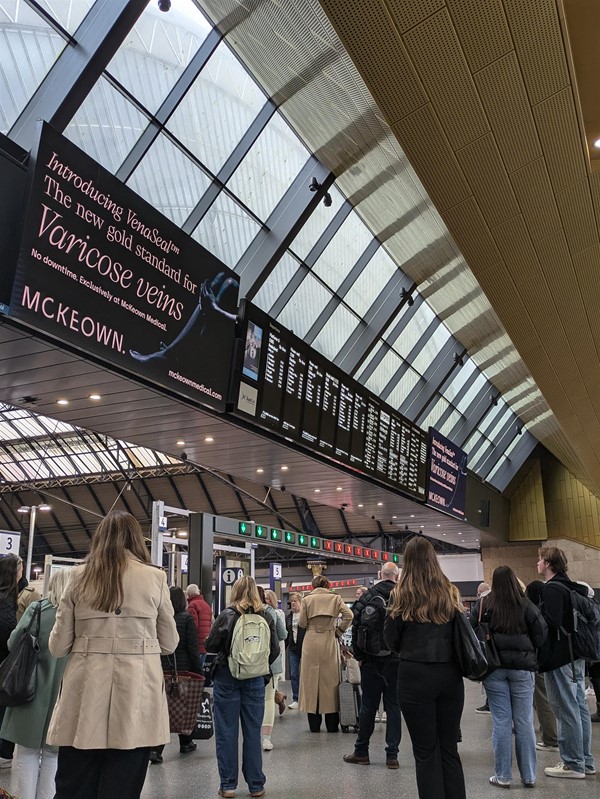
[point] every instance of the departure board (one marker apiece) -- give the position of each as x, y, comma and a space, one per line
307, 399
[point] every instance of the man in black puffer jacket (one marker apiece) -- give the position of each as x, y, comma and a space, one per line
378, 671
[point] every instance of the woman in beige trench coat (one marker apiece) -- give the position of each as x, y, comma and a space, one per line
320, 674
114, 621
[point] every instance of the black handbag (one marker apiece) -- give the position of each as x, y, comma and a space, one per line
18, 672
205, 727
467, 649
486, 639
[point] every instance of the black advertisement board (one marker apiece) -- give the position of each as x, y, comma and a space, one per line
101, 270
289, 388
447, 475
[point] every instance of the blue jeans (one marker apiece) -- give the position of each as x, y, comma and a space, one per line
294, 674
573, 723
376, 680
238, 701
510, 696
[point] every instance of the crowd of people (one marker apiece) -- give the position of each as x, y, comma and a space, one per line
111, 628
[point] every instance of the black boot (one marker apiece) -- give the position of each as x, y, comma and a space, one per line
314, 722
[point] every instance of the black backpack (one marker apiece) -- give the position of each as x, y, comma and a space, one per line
585, 633
369, 636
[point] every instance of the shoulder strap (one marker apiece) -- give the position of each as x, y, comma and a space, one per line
480, 609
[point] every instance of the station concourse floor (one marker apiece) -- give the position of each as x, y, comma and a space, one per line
306, 765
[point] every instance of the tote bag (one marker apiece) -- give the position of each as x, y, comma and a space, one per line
18, 672
467, 649
483, 633
205, 727
184, 694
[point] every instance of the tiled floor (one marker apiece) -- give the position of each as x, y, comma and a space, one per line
303, 765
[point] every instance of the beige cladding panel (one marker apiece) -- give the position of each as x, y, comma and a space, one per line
407, 15
483, 30
577, 214
435, 50
536, 199
513, 240
506, 103
466, 223
559, 134
485, 171
544, 68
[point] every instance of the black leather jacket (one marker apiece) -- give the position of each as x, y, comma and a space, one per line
219, 638
294, 646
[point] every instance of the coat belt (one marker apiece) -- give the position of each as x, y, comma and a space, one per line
116, 646
320, 629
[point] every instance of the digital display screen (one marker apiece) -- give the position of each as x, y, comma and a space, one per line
305, 398
447, 475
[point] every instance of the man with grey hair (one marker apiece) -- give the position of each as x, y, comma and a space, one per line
378, 670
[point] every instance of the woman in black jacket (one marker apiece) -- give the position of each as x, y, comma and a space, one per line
518, 629
8, 621
419, 626
187, 658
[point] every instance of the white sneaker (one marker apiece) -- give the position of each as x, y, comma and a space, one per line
545, 747
293, 706
383, 717
589, 691
5, 762
377, 717
560, 770
267, 744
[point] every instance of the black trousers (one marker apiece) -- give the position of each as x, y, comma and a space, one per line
101, 773
332, 721
431, 698
183, 741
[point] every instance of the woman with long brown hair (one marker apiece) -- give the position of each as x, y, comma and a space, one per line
419, 626
114, 620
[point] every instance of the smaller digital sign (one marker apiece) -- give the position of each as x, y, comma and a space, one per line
260, 531
327, 545
358, 551
337, 547
447, 476
396, 558
375, 554
245, 528
315, 543
275, 534
290, 538
385, 556
302, 540
348, 550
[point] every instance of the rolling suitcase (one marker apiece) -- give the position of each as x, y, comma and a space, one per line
349, 696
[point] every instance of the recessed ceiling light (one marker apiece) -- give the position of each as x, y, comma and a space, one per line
62, 402
259, 471
412, 515
379, 504
443, 533
422, 526
394, 517
339, 488
180, 443
284, 468
438, 525
182, 534
597, 144
209, 440
317, 490
95, 396
360, 505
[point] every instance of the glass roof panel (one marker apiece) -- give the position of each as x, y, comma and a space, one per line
277, 281
106, 126
460, 376
28, 48
435, 414
403, 388
314, 228
68, 13
372, 280
336, 331
505, 457
383, 372
226, 230
303, 309
470, 394
157, 50
342, 252
452, 420
436, 341
415, 327
268, 170
169, 180
218, 109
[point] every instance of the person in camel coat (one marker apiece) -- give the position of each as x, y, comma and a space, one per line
320, 674
115, 619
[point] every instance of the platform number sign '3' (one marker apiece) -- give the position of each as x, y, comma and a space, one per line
9, 542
